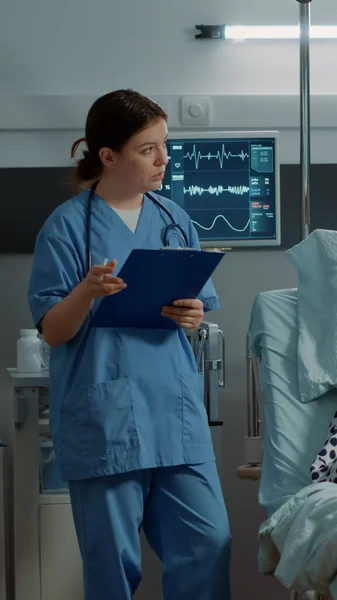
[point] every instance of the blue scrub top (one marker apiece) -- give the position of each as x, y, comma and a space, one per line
120, 399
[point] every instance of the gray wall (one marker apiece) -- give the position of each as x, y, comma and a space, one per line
61, 55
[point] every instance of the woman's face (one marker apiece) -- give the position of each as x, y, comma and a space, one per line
140, 165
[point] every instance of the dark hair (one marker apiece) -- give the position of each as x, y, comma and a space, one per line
112, 120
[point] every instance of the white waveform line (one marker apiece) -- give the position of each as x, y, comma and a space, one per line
237, 190
220, 156
226, 220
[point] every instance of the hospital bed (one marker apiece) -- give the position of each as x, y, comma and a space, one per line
292, 432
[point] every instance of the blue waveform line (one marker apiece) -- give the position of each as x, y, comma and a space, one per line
221, 155
226, 220
238, 190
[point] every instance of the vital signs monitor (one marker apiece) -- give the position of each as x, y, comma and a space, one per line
228, 183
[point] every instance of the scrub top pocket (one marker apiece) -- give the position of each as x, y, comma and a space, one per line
101, 419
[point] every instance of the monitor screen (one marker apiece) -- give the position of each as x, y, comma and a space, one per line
228, 183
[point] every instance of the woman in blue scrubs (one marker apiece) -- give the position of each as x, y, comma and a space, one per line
126, 405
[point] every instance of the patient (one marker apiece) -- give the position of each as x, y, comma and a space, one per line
324, 468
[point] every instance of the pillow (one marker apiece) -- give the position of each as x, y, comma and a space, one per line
316, 261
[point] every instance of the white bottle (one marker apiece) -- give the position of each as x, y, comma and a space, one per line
28, 357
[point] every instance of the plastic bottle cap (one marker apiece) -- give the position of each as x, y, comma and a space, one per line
28, 332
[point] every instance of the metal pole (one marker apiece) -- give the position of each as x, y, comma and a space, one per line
252, 400
305, 115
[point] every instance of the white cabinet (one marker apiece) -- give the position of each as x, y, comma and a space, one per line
44, 554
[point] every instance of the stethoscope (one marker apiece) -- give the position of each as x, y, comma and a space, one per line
167, 231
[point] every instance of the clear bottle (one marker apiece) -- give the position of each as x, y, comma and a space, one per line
28, 355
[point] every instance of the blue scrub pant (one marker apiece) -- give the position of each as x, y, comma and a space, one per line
183, 515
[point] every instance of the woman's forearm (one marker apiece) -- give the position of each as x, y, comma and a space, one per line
63, 321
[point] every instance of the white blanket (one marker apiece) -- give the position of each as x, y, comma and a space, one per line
298, 544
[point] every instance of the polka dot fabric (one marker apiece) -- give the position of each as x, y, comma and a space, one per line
324, 468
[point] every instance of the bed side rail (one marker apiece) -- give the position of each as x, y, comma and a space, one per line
253, 440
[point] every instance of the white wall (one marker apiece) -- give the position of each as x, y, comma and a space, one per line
56, 57
85, 47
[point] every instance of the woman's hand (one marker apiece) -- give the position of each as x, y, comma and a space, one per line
186, 313
64, 320
99, 281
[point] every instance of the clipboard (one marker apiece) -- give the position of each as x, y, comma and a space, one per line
155, 278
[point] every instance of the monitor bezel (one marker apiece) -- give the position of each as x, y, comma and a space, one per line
179, 134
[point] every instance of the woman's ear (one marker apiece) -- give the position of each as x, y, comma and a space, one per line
107, 157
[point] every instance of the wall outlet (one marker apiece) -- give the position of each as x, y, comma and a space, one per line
195, 110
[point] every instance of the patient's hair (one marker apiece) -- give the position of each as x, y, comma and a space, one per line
112, 120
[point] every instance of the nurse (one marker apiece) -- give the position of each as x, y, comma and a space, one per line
126, 405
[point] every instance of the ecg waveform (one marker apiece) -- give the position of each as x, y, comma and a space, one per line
237, 190
221, 156
226, 221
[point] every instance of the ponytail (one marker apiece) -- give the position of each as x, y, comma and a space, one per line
87, 168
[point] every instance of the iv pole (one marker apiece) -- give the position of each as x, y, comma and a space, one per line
305, 23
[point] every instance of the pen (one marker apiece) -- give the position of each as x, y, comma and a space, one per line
105, 262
